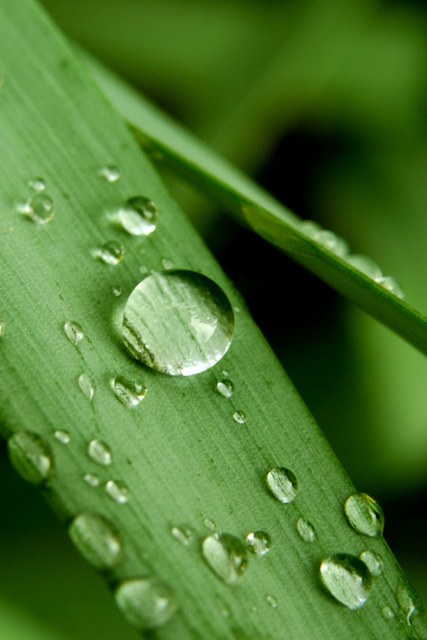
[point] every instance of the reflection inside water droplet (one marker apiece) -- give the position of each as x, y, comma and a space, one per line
282, 483
138, 216
128, 392
74, 332
239, 417
40, 208
258, 543
364, 514
347, 579
111, 253
178, 322
373, 561
146, 602
226, 555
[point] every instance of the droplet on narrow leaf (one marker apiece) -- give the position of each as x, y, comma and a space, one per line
117, 491
306, 531
38, 184
283, 484
347, 579
389, 283
110, 173
225, 388
332, 242
364, 514
31, 456
373, 561
226, 555
239, 417
258, 542
74, 332
184, 535
138, 216
62, 436
40, 208
271, 601
178, 322
91, 479
146, 602
97, 539
130, 393
100, 452
366, 265
86, 385
111, 252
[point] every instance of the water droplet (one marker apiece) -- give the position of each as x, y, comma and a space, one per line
97, 540
389, 283
271, 600
184, 535
364, 514
100, 452
147, 602
128, 392
225, 373
117, 291
40, 208
388, 613
31, 456
111, 173
306, 531
283, 484
225, 388
62, 436
332, 242
209, 524
91, 479
143, 269
87, 386
366, 265
239, 417
139, 216
373, 561
167, 264
226, 555
259, 543
111, 252
2, 329
408, 601
347, 579
38, 184
178, 322
310, 228
74, 332
117, 491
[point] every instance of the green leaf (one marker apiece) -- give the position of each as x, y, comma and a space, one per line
190, 158
182, 457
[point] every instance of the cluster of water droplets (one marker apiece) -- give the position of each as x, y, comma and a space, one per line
364, 264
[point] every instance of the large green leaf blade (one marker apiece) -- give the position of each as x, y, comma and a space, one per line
172, 145
180, 453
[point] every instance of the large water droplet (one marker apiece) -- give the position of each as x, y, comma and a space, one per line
139, 216
91, 479
147, 603
40, 208
100, 452
283, 484
225, 388
74, 332
184, 535
111, 173
332, 242
38, 184
239, 417
258, 542
87, 386
178, 322
310, 228
62, 436
128, 392
347, 579
366, 265
111, 252
373, 561
117, 491
389, 283
364, 514
97, 540
226, 555
306, 531
31, 456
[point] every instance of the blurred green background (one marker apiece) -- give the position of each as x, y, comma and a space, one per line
324, 103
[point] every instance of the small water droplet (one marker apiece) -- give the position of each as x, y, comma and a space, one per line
87, 386
40, 208
347, 579
117, 291
147, 602
225, 373
332, 242
143, 269
111, 252
38, 184
283, 484
62, 436
97, 539
389, 283
184, 535
408, 601
128, 392
225, 388
178, 322
100, 452
2, 329
209, 524
139, 216
111, 173
364, 514
239, 417
306, 531
272, 602
366, 265
91, 479
373, 561
258, 543
117, 491
310, 228
388, 613
167, 264
31, 456
74, 332
226, 555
